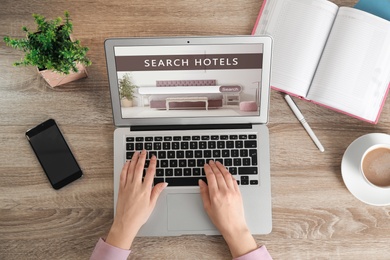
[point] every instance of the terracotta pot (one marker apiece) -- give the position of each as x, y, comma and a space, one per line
55, 79
126, 103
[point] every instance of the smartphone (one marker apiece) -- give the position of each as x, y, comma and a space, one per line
54, 154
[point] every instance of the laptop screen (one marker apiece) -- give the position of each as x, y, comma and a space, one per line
188, 80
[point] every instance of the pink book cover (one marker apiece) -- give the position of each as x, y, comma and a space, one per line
331, 108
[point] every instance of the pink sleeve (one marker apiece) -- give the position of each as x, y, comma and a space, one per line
259, 254
104, 251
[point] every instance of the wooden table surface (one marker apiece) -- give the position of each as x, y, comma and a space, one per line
314, 215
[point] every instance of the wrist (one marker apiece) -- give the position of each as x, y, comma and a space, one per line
119, 238
240, 243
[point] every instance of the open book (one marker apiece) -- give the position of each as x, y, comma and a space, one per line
335, 57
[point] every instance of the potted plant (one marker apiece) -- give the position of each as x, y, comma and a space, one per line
58, 58
126, 91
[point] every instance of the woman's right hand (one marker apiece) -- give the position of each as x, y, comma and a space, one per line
223, 203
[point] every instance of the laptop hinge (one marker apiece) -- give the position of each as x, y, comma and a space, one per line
188, 127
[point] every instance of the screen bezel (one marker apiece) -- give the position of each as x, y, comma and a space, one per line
119, 121
37, 131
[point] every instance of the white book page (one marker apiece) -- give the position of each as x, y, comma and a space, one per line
299, 29
354, 71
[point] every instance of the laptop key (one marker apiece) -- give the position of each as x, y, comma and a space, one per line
168, 172
184, 181
189, 154
191, 163
246, 161
173, 163
198, 154
179, 154
233, 170
166, 145
253, 155
187, 172
148, 146
159, 172
130, 146
216, 153
211, 144
202, 145
157, 146
250, 144
193, 145
161, 154
196, 171
178, 172
182, 163
200, 162
184, 145
247, 170
225, 153
175, 145
228, 162
171, 154
234, 153
164, 163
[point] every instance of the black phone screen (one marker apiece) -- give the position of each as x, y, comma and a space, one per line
54, 154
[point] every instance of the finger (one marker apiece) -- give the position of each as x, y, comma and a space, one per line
156, 191
123, 176
226, 174
218, 176
235, 184
139, 167
211, 180
151, 171
133, 163
205, 195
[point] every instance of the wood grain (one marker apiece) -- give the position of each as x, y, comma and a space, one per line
314, 215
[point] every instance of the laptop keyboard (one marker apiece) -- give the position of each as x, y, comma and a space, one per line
180, 159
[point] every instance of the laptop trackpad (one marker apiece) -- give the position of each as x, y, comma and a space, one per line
185, 212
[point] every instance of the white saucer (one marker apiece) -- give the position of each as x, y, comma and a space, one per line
354, 180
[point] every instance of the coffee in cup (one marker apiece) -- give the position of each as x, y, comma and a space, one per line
375, 165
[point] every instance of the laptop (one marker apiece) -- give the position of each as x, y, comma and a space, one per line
191, 100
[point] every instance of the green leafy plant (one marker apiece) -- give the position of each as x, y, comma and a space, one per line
50, 47
127, 88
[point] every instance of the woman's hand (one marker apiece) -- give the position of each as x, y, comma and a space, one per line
223, 203
136, 200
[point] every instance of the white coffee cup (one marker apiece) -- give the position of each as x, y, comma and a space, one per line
375, 165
